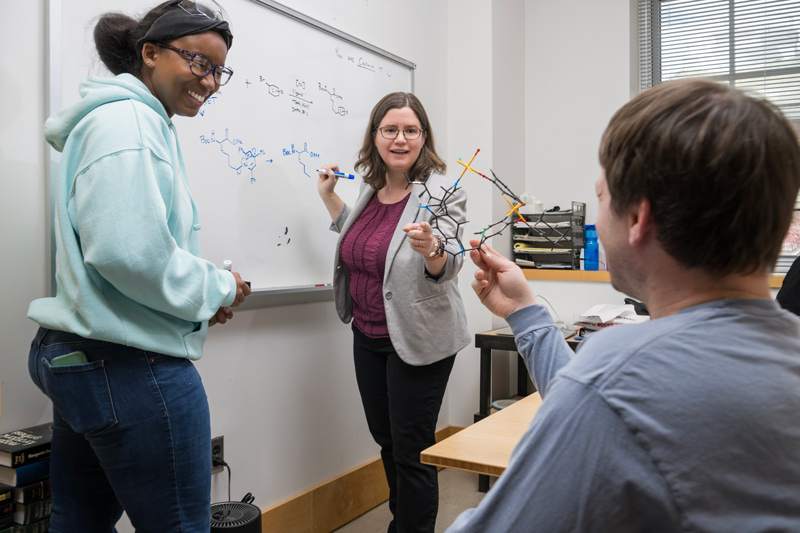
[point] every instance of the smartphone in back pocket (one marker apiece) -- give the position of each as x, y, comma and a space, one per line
72, 358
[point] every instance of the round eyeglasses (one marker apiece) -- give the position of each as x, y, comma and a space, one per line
410, 134
201, 66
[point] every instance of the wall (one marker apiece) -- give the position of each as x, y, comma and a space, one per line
23, 200
577, 74
508, 107
469, 126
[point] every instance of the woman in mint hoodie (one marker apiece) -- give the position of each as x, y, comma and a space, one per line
134, 300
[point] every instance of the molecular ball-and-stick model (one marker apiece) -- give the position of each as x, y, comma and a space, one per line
437, 206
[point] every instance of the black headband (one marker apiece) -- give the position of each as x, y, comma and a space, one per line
178, 23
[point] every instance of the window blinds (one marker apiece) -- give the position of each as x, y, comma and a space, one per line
753, 45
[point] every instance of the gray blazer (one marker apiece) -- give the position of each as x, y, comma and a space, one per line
425, 315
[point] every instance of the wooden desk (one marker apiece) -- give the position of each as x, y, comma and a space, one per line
488, 341
491, 340
485, 447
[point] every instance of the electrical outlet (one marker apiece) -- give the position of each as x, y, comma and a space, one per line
217, 452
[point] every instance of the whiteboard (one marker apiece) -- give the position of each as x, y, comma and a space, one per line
300, 97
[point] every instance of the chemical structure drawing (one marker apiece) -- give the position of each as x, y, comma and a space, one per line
437, 206
337, 109
299, 153
273, 90
239, 159
299, 102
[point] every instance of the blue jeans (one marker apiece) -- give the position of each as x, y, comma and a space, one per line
131, 431
402, 403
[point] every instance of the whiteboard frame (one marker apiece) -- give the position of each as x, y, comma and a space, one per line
260, 297
321, 26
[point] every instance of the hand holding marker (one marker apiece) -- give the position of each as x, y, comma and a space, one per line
338, 174
228, 265
224, 314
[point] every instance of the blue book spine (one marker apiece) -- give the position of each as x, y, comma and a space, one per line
25, 474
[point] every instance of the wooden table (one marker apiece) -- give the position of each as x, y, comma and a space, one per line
485, 447
495, 340
488, 341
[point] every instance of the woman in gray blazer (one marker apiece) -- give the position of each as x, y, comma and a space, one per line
397, 283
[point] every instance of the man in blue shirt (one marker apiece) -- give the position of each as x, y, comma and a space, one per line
688, 422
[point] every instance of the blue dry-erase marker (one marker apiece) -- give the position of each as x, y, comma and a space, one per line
339, 174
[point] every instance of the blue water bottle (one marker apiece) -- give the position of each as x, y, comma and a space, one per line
590, 251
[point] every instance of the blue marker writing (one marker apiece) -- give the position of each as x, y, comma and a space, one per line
339, 174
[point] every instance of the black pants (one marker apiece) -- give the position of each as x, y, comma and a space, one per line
402, 404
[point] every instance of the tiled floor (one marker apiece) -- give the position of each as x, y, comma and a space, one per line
458, 491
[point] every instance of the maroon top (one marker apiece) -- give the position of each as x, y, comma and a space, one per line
363, 252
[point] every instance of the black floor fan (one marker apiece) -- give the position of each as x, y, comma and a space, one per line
235, 517
241, 517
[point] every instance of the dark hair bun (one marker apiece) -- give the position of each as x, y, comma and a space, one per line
115, 39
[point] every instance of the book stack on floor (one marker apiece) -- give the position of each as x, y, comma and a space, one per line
6, 508
25, 480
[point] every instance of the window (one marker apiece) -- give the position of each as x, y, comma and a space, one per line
753, 45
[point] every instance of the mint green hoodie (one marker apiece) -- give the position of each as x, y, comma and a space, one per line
127, 256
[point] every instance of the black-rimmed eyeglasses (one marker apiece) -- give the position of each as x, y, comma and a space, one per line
410, 134
201, 66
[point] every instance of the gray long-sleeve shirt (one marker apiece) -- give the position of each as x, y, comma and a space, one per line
688, 423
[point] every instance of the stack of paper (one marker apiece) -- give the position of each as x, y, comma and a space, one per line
604, 315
